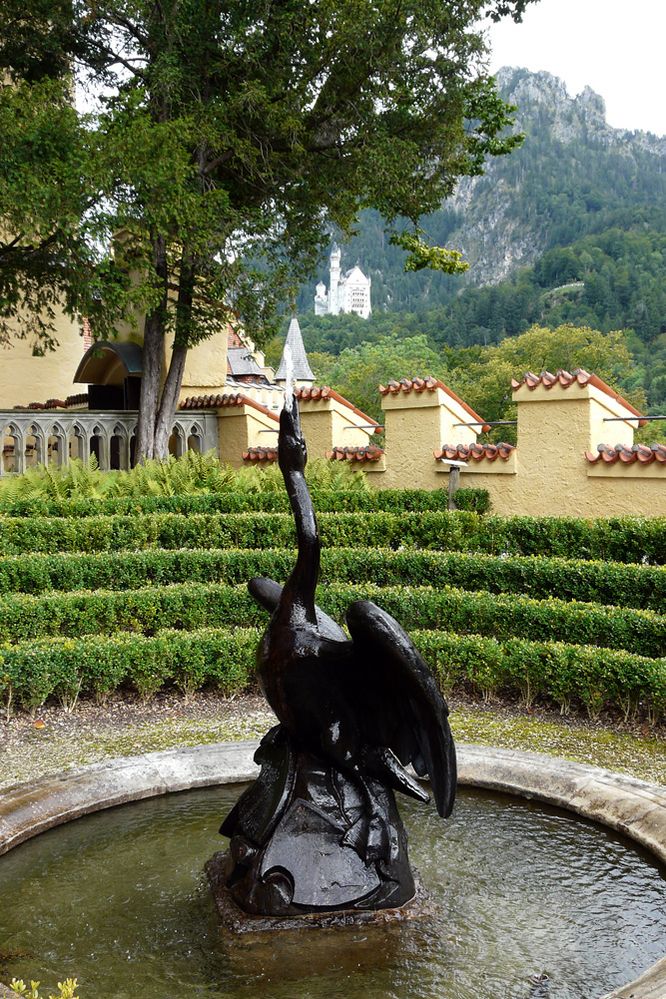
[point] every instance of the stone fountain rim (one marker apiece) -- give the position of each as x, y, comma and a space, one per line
630, 806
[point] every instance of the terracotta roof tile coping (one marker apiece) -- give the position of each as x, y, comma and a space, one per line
267, 454
576, 377
72, 400
370, 453
315, 392
430, 384
641, 453
227, 399
477, 452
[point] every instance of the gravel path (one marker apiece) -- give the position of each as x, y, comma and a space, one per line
56, 740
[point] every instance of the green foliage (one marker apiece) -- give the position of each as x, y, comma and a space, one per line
420, 255
468, 498
569, 675
82, 488
358, 371
607, 582
66, 989
629, 539
192, 606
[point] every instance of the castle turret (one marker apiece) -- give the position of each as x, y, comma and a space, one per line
333, 292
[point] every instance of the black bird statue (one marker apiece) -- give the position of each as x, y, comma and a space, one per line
319, 830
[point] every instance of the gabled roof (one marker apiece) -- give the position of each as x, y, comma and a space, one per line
302, 370
316, 392
565, 379
429, 384
222, 401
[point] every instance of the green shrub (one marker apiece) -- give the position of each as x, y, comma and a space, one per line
476, 500
621, 539
192, 474
325, 500
190, 606
568, 675
627, 585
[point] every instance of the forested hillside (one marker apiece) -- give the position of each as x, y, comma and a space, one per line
568, 229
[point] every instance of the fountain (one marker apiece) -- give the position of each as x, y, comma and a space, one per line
526, 901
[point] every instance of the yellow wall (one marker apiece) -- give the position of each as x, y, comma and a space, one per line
547, 475
239, 428
25, 378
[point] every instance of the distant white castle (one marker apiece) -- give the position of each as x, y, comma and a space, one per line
348, 292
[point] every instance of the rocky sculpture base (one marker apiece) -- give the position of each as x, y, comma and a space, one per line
235, 921
298, 842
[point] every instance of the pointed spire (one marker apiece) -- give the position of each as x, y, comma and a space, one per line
302, 369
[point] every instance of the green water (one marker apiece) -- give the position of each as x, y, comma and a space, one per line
118, 900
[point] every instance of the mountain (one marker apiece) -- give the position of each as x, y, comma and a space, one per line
574, 175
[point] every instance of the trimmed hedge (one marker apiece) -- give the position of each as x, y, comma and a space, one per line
591, 677
470, 498
325, 500
190, 606
617, 539
625, 585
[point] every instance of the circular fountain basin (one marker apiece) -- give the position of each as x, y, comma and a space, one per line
527, 900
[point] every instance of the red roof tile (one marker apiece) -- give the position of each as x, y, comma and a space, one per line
369, 453
264, 454
430, 384
640, 453
475, 452
227, 399
565, 379
315, 392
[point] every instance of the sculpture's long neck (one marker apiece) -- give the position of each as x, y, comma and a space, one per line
302, 583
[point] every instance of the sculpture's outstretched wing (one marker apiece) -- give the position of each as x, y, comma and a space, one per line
267, 593
404, 709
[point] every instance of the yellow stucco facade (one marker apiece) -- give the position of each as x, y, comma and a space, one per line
549, 473
26, 376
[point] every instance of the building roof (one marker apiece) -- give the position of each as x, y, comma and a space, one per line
430, 384
315, 392
565, 379
369, 453
475, 452
241, 363
227, 399
641, 453
110, 362
302, 370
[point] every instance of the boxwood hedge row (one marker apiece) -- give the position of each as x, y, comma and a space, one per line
617, 539
190, 606
567, 675
624, 584
325, 500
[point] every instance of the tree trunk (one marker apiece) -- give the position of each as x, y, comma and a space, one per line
174, 379
168, 403
153, 353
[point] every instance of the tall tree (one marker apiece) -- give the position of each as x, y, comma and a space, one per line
228, 139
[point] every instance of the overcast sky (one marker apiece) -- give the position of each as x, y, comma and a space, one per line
616, 47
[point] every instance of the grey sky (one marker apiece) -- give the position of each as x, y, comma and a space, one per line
616, 47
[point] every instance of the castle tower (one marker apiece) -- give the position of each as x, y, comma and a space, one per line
334, 287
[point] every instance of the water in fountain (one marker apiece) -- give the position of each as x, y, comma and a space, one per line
520, 893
